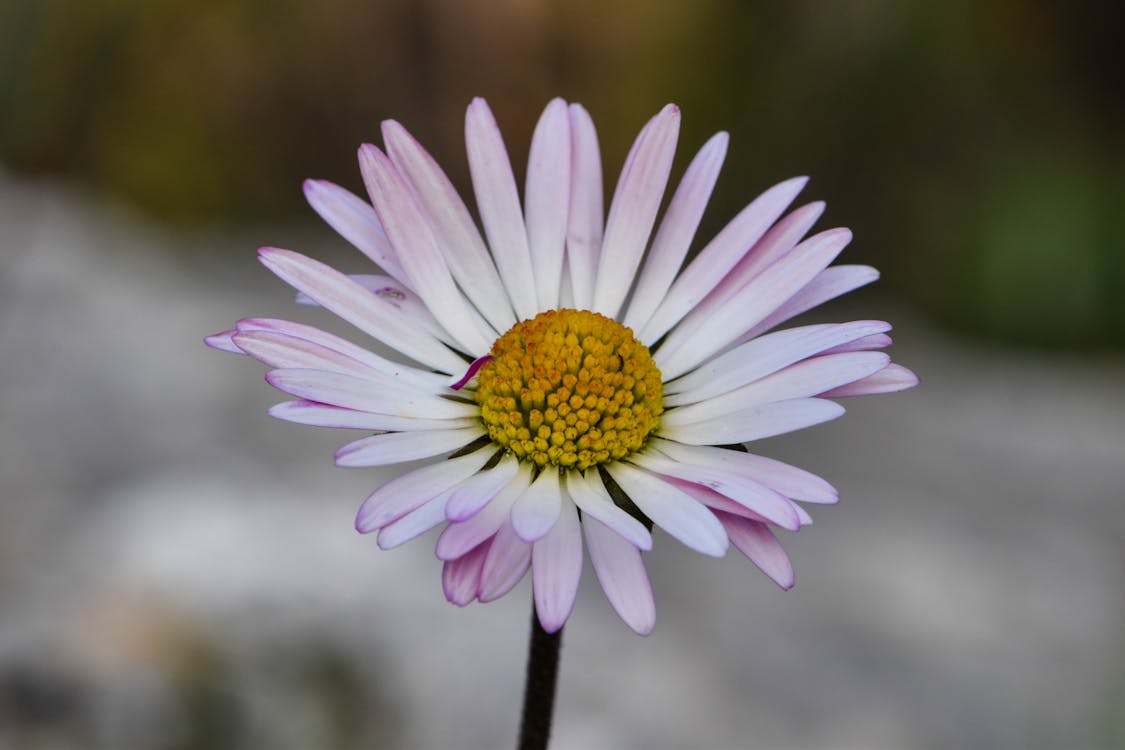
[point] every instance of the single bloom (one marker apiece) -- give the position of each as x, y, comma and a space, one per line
572, 381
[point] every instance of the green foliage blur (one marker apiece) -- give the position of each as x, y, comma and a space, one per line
975, 148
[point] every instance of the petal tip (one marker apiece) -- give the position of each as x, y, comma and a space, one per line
223, 342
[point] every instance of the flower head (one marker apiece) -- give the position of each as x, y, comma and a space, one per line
570, 389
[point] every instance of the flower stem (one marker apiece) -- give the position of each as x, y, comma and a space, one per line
539, 692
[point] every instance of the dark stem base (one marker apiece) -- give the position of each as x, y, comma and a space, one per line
539, 693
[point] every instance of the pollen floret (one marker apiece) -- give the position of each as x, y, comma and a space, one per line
570, 388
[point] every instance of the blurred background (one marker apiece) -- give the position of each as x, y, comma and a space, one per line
179, 571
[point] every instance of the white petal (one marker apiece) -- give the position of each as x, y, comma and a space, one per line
890, 379
566, 289
676, 231
421, 378
743, 490
452, 225
372, 394
476, 492
863, 344
592, 498
499, 206
803, 515
323, 415
621, 572
355, 220
756, 423
223, 341
672, 510
585, 224
634, 208
556, 567
720, 255
681, 352
547, 200
537, 509
757, 542
461, 536
714, 500
418, 252
829, 284
778, 241
278, 350
788, 480
399, 447
508, 559
403, 494
398, 294
413, 524
761, 357
807, 378
371, 314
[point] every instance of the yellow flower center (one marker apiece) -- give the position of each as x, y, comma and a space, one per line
570, 388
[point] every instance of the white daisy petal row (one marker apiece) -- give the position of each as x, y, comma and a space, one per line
449, 293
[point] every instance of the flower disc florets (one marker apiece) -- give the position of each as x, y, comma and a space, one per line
570, 388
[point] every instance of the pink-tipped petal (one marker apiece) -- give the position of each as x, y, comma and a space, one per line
760, 357
372, 394
864, 344
460, 578
403, 494
499, 205
547, 200
807, 378
622, 575
418, 251
756, 423
507, 563
556, 567
753, 495
676, 231
590, 495
633, 213
585, 223
890, 379
778, 242
538, 508
672, 510
716, 501
278, 350
399, 447
459, 537
720, 255
452, 226
401, 372
323, 415
371, 314
757, 542
790, 481
355, 220
754, 302
223, 342
827, 285
803, 515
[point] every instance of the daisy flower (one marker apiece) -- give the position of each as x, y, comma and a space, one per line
571, 380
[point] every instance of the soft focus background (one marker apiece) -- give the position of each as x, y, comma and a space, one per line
177, 570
